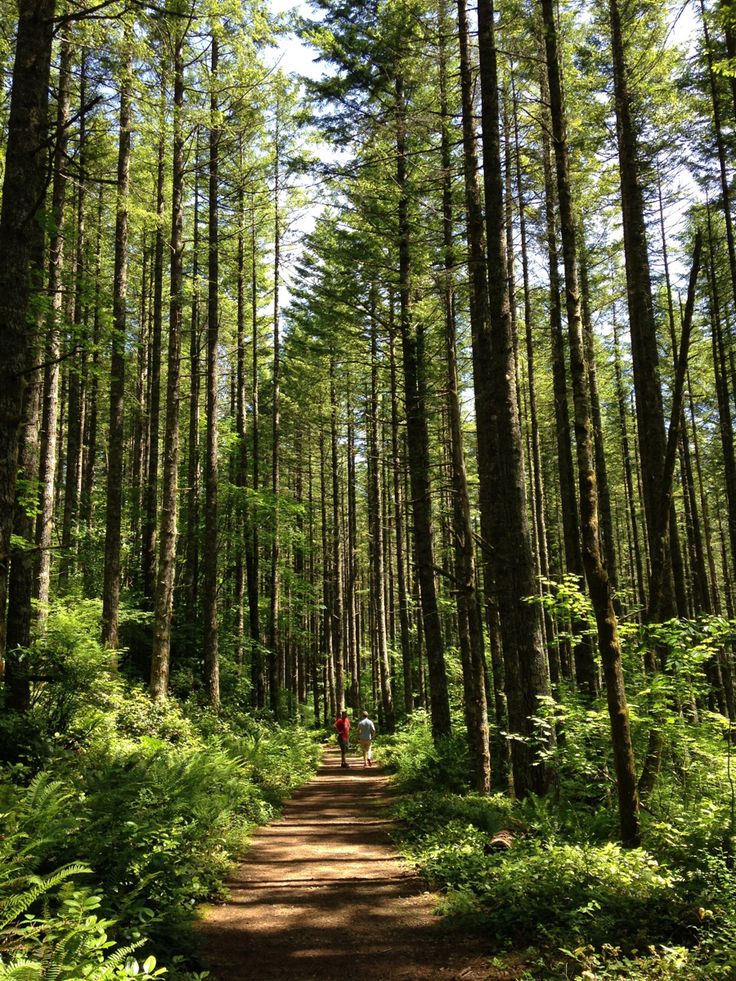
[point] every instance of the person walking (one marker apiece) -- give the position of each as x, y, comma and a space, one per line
342, 727
366, 735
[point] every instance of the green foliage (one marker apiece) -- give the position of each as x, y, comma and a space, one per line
553, 893
569, 606
70, 942
587, 906
430, 811
421, 763
134, 818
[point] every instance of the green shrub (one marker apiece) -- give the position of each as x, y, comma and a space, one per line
422, 764
423, 813
153, 799
66, 940
569, 893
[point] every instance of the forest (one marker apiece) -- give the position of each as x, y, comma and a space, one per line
374, 355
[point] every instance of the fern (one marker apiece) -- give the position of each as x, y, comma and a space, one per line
21, 971
20, 903
117, 958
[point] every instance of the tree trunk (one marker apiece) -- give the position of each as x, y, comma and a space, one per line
484, 422
416, 422
640, 584
114, 499
601, 470
536, 452
336, 594
21, 582
351, 598
50, 421
150, 500
251, 552
401, 557
525, 661
645, 356
469, 617
194, 469
274, 652
209, 612
77, 367
164, 598
20, 235
598, 583
376, 528
90, 421
724, 405
240, 463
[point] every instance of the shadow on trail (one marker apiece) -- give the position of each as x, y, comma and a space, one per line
322, 895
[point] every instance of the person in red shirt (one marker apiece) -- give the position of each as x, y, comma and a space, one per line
342, 727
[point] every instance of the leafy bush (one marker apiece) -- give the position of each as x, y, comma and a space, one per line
126, 815
68, 942
48, 924
421, 764
578, 904
568, 893
423, 813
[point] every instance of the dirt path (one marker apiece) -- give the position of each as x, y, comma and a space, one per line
323, 895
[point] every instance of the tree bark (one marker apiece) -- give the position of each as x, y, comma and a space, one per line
90, 420
469, 617
274, 653
525, 661
50, 420
150, 499
164, 598
484, 421
114, 498
376, 528
20, 237
416, 422
194, 468
21, 581
598, 582
645, 356
209, 612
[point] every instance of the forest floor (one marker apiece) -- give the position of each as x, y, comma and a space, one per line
322, 894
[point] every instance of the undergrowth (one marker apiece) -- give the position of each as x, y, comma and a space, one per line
119, 815
565, 893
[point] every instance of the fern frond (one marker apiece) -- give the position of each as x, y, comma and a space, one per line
117, 959
43, 791
19, 904
21, 971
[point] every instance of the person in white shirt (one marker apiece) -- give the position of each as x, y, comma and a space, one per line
366, 734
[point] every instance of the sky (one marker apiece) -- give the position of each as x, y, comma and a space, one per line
293, 56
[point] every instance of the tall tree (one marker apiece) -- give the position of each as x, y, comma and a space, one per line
274, 678
481, 349
52, 374
150, 497
211, 657
645, 354
114, 502
164, 599
470, 625
20, 237
599, 584
525, 661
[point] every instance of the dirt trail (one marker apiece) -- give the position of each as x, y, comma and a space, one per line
323, 895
